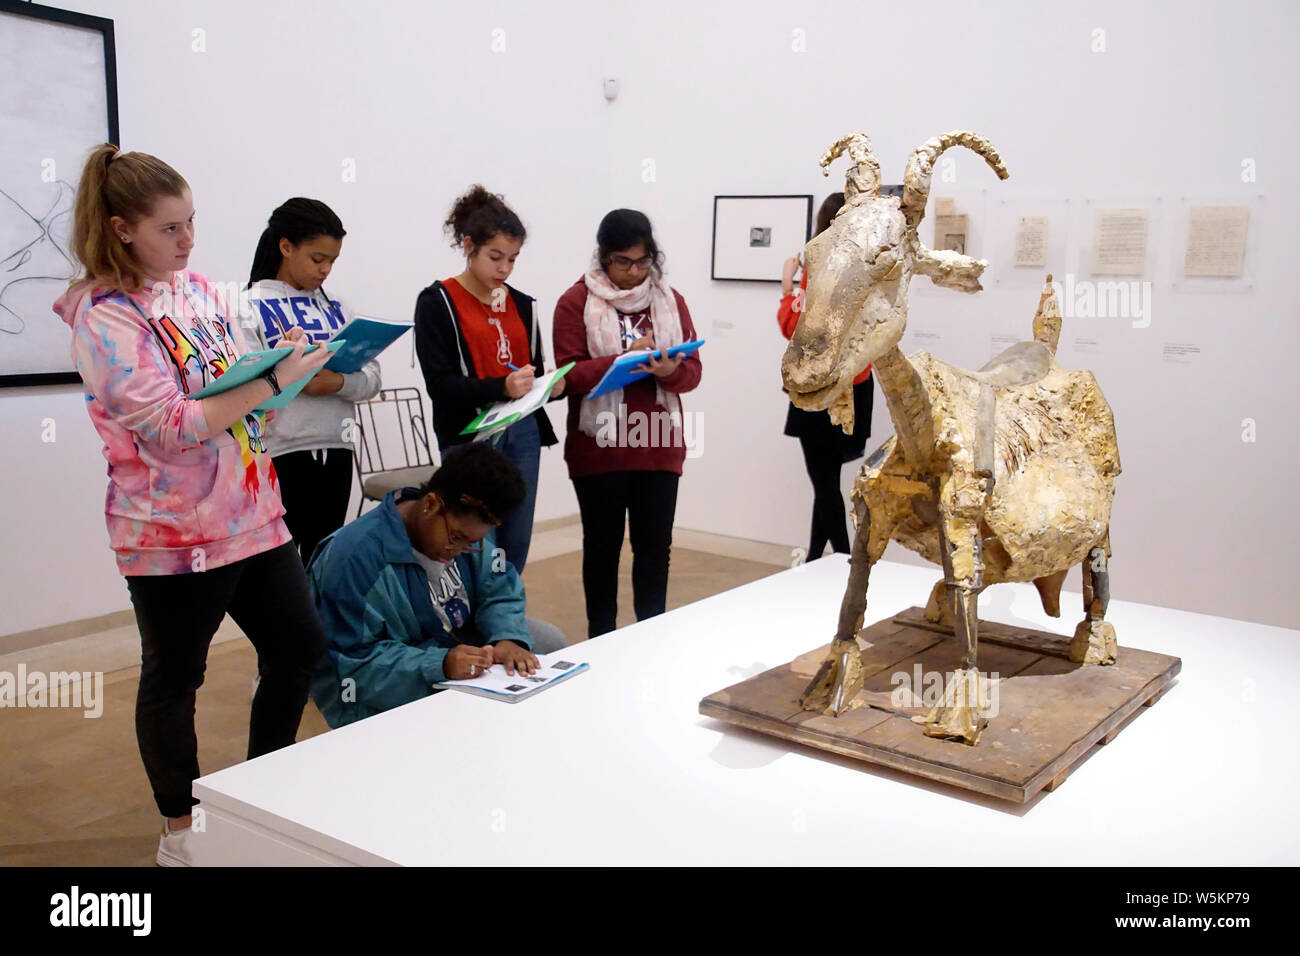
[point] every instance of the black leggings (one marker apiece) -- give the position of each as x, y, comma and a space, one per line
824, 461
177, 614
315, 487
649, 500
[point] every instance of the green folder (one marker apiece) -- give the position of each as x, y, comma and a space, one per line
254, 365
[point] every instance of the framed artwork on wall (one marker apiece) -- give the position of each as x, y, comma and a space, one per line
58, 100
754, 235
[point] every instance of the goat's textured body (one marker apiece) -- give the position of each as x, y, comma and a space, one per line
1002, 474
1054, 468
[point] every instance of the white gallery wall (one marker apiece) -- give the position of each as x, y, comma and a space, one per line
388, 110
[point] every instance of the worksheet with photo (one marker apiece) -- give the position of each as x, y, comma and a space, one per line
496, 683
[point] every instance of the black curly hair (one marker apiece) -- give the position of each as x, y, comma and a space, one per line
476, 479
480, 215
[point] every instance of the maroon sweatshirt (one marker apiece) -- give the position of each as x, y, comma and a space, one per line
581, 451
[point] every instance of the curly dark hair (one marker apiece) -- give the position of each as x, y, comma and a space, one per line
477, 479
480, 215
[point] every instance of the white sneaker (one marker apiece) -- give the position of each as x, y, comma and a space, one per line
174, 847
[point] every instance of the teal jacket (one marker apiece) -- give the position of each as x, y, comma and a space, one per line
386, 642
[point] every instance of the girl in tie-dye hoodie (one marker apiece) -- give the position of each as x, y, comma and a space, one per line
193, 512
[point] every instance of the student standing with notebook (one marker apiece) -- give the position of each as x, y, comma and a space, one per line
313, 455
193, 507
479, 343
622, 303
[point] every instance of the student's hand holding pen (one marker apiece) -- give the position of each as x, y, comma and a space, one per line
465, 662
299, 363
519, 382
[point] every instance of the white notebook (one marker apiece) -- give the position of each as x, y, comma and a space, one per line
512, 688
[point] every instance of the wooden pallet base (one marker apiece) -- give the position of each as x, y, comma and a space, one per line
1049, 712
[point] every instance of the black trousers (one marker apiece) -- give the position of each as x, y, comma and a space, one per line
315, 494
824, 458
177, 614
649, 501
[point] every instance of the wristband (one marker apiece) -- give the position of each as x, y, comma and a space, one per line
269, 376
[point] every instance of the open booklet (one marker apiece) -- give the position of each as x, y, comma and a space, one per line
497, 684
504, 414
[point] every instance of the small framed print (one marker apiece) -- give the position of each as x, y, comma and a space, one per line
754, 235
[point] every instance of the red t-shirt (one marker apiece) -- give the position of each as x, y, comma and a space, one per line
494, 338
583, 454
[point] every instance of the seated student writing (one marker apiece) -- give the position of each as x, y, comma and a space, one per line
416, 592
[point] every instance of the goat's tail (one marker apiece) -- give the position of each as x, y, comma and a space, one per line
1047, 321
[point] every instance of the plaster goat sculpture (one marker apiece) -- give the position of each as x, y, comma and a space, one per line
1003, 474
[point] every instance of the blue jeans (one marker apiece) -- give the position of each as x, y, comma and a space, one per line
522, 444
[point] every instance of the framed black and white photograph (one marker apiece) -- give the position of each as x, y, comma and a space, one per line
754, 235
58, 100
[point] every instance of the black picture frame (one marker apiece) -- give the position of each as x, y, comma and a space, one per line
765, 274
104, 27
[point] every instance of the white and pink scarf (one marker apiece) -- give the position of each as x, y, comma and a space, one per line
604, 334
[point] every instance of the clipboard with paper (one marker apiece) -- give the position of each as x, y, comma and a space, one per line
502, 415
626, 369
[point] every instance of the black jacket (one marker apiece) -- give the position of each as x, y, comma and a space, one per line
816, 427
457, 392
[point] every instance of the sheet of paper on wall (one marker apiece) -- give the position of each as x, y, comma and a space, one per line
950, 232
1216, 241
1031, 240
1119, 241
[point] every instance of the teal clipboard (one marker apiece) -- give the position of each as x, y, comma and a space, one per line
254, 365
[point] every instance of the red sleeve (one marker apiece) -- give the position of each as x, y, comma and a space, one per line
787, 314
569, 337
687, 375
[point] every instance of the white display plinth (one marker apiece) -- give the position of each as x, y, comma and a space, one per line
618, 767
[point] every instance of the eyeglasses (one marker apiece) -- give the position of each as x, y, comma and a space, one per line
457, 540
623, 262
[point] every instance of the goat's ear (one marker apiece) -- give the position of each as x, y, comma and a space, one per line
952, 270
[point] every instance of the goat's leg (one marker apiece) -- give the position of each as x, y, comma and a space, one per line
839, 679
958, 715
1094, 639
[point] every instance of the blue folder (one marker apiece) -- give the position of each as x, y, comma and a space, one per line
365, 339
627, 367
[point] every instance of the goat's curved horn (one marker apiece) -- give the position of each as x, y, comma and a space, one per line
920, 167
863, 177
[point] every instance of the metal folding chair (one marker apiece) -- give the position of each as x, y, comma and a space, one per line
394, 450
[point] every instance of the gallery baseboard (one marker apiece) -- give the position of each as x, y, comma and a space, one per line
54, 633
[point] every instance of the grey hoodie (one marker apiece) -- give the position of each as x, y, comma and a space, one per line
309, 421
